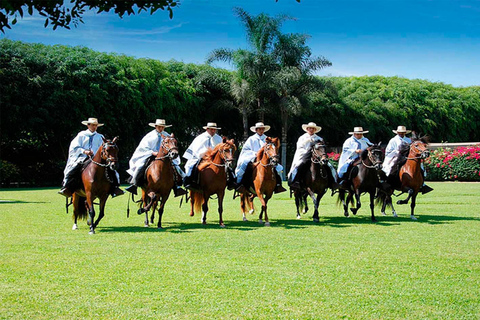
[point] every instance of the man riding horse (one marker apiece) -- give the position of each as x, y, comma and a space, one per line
249, 154
351, 150
148, 149
300, 159
84, 145
392, 153
195, 152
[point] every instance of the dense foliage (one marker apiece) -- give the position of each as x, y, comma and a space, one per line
46, 91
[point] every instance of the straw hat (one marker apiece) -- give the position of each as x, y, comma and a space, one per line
159, 122
311, 125
259, 125
402, 129
92, 121
358, 130
211, 125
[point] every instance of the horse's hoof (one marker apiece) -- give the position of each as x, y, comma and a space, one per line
299, 216
267, 224
222, 225
402, 202
140, 211
304, 211
159, 228
245, 219
374, 220
252, 211
316, 220
383, 213
92, 232
192, 214
413, 217
260, 221
395, 214
346, 214
146, 225
354, 211
75, 227
204, 222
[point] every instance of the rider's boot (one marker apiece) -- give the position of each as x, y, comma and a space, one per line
425, 189
132, 189
65, 192
278, 188
116, 191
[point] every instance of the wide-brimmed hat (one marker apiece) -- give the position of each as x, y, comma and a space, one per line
259, 125
92, 121
211, 125
402, 129
358, 130
159, 122
311, 125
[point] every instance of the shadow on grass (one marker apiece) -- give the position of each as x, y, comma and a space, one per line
19, 201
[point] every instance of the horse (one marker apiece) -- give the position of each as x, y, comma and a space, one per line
212, 171
366, 180
97, 178
264, 180
160, 180
409, 178
315, 180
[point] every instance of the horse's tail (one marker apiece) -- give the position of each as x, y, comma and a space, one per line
341, 195
79, 208
197, 199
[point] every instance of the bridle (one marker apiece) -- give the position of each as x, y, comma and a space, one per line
376, 164
318, 158
272, 159
110, 161
169, 152
422, 153
223, 155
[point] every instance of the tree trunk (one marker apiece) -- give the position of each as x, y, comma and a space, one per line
245, 123
284, 142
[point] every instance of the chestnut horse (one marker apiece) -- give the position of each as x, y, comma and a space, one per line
212, 171
160, 178
264, 180
368, 167
315, 180
97, 178
409, 178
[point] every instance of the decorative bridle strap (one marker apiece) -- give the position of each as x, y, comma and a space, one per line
225, 160
167, 149
373, 161
314, 152
104, 150
418, 151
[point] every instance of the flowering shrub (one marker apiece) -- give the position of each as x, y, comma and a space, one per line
333, 158
462, 163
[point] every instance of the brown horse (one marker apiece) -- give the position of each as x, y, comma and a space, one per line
315, 180
364, 178
409, 178
97, 178
212, 171
264, 180
160, 178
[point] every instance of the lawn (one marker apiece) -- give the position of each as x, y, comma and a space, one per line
339, 268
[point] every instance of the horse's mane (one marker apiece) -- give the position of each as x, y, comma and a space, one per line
211, 153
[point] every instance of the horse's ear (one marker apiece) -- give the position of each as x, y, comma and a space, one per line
379, 143
114, 139
268, 139
231, 141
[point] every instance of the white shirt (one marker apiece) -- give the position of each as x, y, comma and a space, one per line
348, 150
392, 151
200, 144
304, 144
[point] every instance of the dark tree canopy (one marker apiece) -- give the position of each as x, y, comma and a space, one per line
63, 13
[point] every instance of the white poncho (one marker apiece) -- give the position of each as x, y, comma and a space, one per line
304, 144
198, 148
348, 152
392, 151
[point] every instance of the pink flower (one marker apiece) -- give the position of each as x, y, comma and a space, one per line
438, 165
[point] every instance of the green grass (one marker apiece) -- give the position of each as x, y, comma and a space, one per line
347, 268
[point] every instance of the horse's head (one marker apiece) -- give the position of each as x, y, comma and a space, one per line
270, 149
227, 151
319, 153
109, 153
169, 147
374, 155
419, 147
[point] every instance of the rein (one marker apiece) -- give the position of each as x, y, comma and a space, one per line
418, 151
167, 149
373, 161
270, 163
223, 156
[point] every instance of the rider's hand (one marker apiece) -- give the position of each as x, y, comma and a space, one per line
154, 153
358, 151
88, 152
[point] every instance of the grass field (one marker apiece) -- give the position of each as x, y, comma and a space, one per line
340, 268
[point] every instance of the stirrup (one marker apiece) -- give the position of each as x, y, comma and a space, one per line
132, 189
177, 191
279, 189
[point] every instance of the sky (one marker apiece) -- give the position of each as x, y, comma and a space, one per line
435, 40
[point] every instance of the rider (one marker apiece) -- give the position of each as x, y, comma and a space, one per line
84, 145
149, 147
392, 153
352, 147
304, 144
249, 153
195, 152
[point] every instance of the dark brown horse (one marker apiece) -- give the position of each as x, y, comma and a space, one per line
315, 180
364, 178
212, 171
264, 180
97, 178
409, 178
160, 178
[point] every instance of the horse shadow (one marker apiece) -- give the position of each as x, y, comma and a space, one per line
19, 201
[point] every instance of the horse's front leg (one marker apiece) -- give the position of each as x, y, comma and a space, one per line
305, 203
152, 216
220, 208
372, 206
358, 205
160, 211
391, 206
412, 206
91, 212
262, 202
341, 196
316, 218
298, 202
410, 194
243, 205
103, 202
205, 208
267, 197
